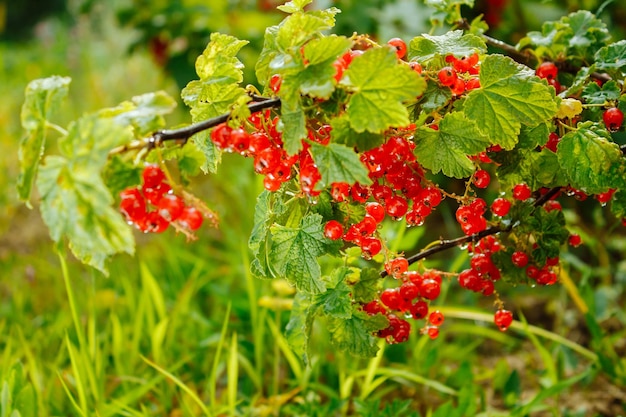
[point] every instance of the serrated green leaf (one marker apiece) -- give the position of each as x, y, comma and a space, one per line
427, 47
354, 334
262, 216
299, 27
292, 125
449, 9
295, 251
380, 85
120, 174
447, 148
591, 161
612, 57
618, 204
218, 61
145, 112
547, 229
76, 204
212, 154
208, 99
532, 137
434, 98
535, 168
336, 301
510, 96
338, 163
342, 133
326, 49
366, 289
298, 330
594, 94
42, 97
294, 6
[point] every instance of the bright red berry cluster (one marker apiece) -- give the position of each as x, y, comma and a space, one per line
410, 299
549, 72
153, 206
461, 74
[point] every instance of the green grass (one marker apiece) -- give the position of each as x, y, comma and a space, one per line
179, 329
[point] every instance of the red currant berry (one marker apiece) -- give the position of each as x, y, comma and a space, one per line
472, 84
275, 83
170, 206
370, 246
333, 230
397, 266
153, 195
374, 307
419, 310
547, 70
519, 259
430, 289
500, 207
574, 240
553, 141
152, 176
391, 298
481, 178
605, 197
433, 332
220, 135
521, 192
399, 45
376, 210
613, 118
436, 318
359, 193
409, 291
155, 223
132, 204
396, 206
415, 66
191, 218
447, 76
546, 277
503, 319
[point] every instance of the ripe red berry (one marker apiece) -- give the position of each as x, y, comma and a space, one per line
397, 266
170, 206
370, 246
409, 291
396, 206
333, 230
419, 310
191, 218
553, 141
275, 83
447, 76
155, 223
500, 207
481, 178
399, 45
433, 332
415, 66
547, 70
430, 289
575, 240
376, 210
436, 318
503, 319
152, 176
613, 118
220, 135
519, 259
132, 204
521, 192
391, 298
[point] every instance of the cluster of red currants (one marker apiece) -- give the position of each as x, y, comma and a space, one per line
398, 189
461, 74
410, 299
153, 206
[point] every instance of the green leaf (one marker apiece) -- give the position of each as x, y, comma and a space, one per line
210, 99
25, 402
299, 27
510, 96
218, 61
366, 288
549, 232
292, 125
294, 6
424, 48
336, 300
618, 204
42, 97
532, 137
447, 149
612, 57
344, 134
298, 330
594, 94
448, 10
591, 161
295, 251
354, 334
144, 113
338, 163
76, 204
535, 168
380, 85
119, 174
189, 158
212, 154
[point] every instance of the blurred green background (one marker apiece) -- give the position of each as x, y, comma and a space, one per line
184, 329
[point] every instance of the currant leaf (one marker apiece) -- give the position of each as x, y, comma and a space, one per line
344, 134
295, 251
612, 58
294, 6
591, 161
336, 300
42, 97
425, 48
144, 113
119, 174
510, 96
447, 148
354, 334
300, 325
338, 163
367, 286
379, 86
